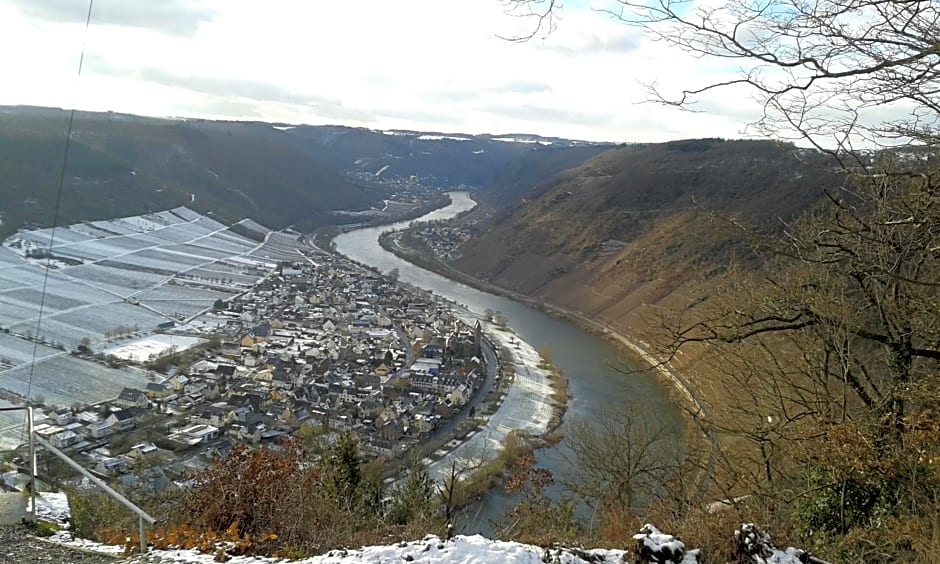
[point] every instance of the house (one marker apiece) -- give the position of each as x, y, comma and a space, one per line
459, 395
381, 369
156, 480
281, 378
62, 416
231, 350
197, 434
64, 439
225, 370
245, 433
100, 429
142, 451
122, 420
177, 381
156, 390
131, 397
111, 466
380, 447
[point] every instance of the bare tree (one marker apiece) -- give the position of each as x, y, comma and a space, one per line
448, 491
825, 72
852, 288
619, 460
832, 337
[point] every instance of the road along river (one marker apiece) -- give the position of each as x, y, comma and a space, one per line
590, 362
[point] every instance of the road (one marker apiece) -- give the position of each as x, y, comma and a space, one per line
409, 350
445, 431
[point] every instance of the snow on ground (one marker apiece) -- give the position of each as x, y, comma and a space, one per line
52, 507
652, 544
431, 550
527, 407
474, 549
521, 140
65, 538
441, 138
461, 549
140, 350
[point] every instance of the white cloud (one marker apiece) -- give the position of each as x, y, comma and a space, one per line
421, 64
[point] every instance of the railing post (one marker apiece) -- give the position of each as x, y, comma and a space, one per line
32, 462
143, 536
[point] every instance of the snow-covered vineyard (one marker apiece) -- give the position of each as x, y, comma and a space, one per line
112, 283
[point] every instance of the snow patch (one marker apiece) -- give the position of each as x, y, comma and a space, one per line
65, 538
141, 350
431, 550
522, 140
441, 137
52, 507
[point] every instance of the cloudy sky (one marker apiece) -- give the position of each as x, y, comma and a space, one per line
419, 64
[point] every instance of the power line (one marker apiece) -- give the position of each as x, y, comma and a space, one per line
55, 214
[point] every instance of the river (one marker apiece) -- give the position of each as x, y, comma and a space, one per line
589, 361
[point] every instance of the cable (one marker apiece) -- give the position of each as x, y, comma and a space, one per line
55, 214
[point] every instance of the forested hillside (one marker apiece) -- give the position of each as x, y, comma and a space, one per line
122, 165
450, 158
641, 218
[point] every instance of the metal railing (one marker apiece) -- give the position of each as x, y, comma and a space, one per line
143, 517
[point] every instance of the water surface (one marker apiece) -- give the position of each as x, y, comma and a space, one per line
591, 363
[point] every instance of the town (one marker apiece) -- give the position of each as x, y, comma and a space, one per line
319, 347
443, 239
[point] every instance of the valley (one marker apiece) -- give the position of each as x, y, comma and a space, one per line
278, 281
157, 342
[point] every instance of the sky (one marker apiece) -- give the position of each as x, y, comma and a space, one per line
429, 65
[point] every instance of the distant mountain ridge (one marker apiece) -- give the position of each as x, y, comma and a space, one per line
279, 174
452, 158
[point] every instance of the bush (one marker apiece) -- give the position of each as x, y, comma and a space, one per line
44, 529
97, 517
869, 485
275, 502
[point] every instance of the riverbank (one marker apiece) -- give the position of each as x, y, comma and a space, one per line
694, 408
638, 350
527, 408
322, 237
588, 360
531, 405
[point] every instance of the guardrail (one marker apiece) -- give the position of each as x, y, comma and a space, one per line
143, 516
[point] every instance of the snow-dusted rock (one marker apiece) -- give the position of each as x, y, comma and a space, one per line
655, 547
757, 545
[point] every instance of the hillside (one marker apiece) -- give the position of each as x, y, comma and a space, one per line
121, 165
513, 181
124, 165
633, 225
452, 159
